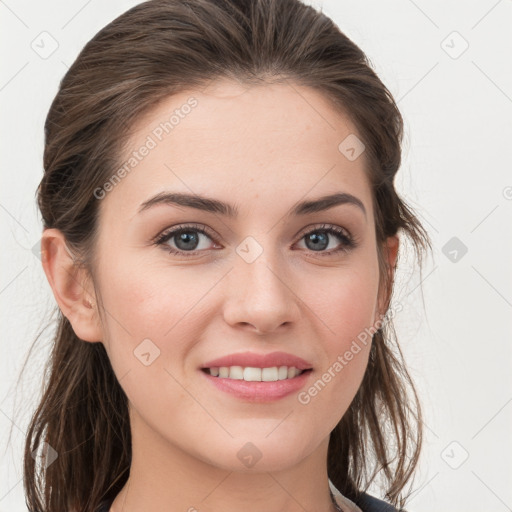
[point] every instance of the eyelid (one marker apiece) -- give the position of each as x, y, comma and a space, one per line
192, 226
323, 226
348, 241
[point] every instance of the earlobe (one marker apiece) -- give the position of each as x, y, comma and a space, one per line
69, 286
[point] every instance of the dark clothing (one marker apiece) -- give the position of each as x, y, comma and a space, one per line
368, 503
104, 506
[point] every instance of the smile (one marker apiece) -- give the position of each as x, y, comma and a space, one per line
251, 374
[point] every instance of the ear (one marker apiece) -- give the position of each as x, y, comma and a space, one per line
70, 286
390, 253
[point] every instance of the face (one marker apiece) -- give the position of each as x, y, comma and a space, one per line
259, 277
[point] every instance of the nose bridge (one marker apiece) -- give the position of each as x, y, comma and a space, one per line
259, 292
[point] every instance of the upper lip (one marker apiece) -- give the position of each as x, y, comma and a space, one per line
253, 360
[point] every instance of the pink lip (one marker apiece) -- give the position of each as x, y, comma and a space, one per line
259, 391
253, 360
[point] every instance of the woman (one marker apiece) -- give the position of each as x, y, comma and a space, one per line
221, 231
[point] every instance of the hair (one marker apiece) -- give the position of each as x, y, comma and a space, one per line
154, 50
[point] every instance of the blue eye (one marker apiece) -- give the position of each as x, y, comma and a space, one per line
317, 239
187, 237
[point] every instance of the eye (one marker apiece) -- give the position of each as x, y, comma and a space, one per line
318, 239
187, 239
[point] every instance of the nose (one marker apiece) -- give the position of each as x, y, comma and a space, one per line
260, 296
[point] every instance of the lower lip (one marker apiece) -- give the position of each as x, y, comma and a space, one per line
259, 391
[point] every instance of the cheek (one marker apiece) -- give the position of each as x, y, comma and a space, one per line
355, 309
346, 315
145, 301
345, 302
154, 319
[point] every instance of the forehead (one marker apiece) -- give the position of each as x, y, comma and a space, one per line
278, 142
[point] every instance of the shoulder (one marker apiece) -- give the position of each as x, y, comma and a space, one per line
368, 503
364, 503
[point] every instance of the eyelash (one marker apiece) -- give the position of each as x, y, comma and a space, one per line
348, 242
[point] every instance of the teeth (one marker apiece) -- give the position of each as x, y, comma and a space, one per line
235, 372
250, 374
282, 373
269, 374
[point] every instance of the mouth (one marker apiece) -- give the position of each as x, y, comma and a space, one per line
254, 374
254, 377
257, 385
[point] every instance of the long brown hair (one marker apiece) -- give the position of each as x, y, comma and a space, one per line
156, 49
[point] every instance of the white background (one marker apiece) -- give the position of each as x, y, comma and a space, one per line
455, 328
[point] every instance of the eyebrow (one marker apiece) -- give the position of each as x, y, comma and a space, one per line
208, 204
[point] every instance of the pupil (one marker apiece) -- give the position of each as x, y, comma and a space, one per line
318, 241
187, 237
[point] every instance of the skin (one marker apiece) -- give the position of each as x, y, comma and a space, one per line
263, 149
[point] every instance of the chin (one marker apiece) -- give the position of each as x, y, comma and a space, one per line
250, 455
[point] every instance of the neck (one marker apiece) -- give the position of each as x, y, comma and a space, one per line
163, 477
